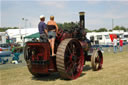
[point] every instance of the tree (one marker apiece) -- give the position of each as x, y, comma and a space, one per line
102, 30
94, 30
123, 28
3, 29
119, 28
127, 30
70, 25
60, 25
110, 30
116, 28
67, 25
86, 30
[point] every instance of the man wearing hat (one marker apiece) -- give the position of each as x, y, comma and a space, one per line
42, 29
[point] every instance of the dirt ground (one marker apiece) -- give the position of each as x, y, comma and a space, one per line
114, 72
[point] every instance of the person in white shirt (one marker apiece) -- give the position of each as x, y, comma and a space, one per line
114, 45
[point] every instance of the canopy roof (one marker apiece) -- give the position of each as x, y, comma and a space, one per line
35, 35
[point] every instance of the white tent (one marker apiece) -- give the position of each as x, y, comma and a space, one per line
2, 37
18, 34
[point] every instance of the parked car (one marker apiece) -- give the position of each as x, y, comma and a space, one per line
5, 50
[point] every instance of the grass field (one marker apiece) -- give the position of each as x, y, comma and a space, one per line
114, 72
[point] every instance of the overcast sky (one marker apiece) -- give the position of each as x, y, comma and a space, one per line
99, 13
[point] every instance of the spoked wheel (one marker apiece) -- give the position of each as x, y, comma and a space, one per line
26, 52
27, 56
97, 60
70, 59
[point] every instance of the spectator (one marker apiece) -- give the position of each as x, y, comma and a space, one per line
12, 48
115, 45
15, 59
121, 44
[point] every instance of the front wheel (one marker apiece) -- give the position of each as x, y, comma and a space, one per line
97, 60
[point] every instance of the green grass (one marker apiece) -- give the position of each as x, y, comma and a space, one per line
114, 72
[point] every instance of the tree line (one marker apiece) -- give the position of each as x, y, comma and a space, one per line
70, 25
3, 29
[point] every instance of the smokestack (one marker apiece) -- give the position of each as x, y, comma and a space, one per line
82, 21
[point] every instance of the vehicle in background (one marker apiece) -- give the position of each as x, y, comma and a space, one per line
105, 39
125, 35
102, 38
5, 50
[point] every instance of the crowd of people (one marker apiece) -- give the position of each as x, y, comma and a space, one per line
115, 45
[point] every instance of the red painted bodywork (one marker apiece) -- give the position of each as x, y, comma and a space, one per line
43, 54
40, 51
0, 49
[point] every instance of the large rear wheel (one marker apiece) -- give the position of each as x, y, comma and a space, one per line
70, 59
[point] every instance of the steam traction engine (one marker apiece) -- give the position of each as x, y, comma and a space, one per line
72, 50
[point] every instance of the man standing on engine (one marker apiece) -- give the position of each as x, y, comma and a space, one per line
42, 29
52, 32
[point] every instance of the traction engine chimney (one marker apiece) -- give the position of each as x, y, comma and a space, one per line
82, 20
